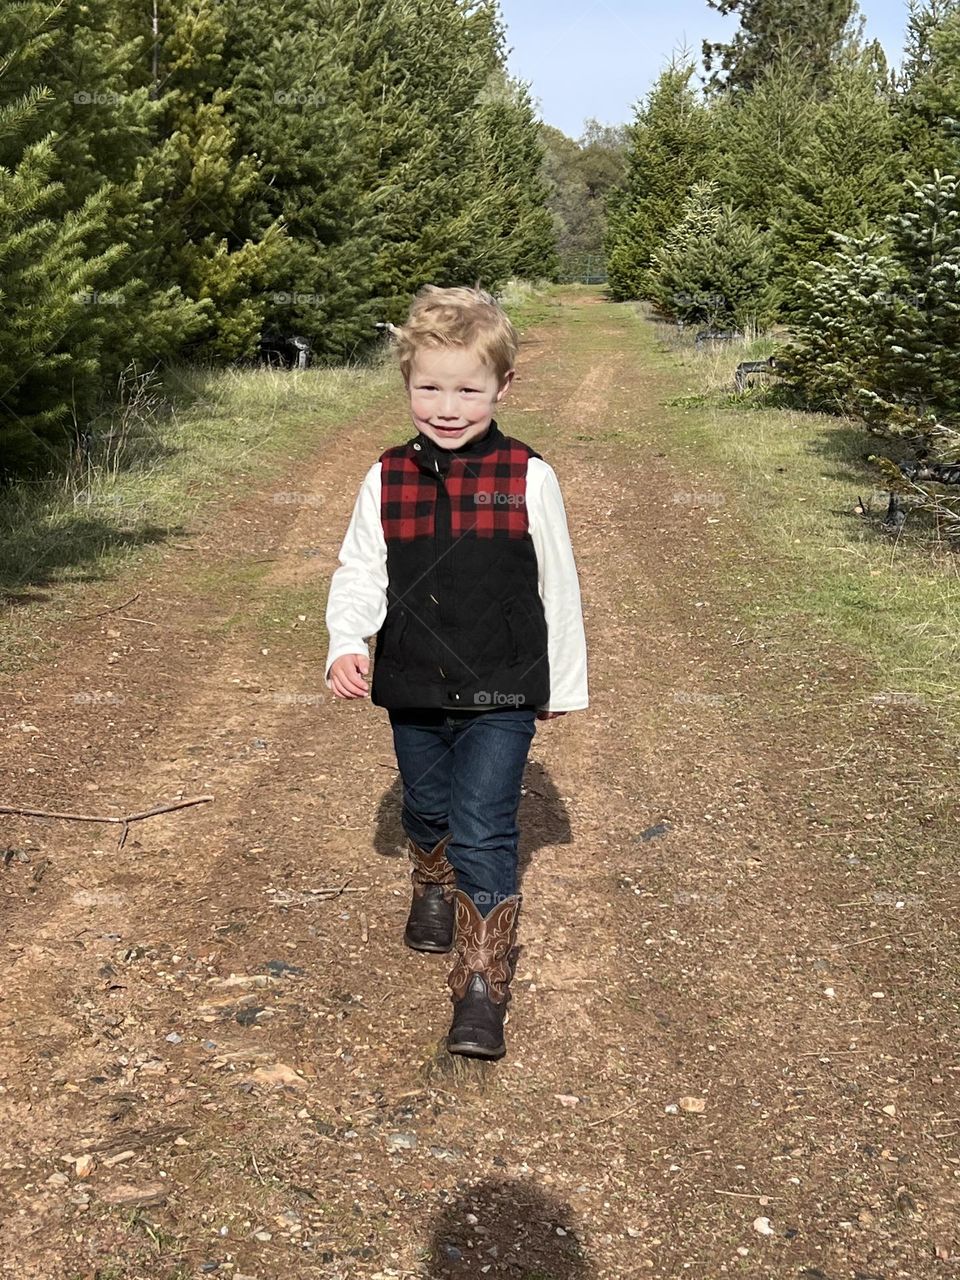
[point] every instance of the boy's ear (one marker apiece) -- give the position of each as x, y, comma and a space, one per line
505, 384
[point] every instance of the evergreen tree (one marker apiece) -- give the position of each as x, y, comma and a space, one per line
845, 176
203, 184
838, 346
810, 32
713, 267
920, 315
295, 108
759, 136
59, 245
929, 102
670, 147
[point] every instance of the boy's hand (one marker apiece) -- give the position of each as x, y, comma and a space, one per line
346, 676
549, 715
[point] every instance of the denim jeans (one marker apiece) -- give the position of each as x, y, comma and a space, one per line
461, 772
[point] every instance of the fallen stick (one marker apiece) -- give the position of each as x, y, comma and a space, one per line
124, 822
84, 617
743, 1195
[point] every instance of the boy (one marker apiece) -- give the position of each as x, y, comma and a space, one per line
458, 559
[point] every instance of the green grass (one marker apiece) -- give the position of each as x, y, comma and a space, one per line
797, 478
175, 446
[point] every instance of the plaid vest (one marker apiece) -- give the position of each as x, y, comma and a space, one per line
465, 627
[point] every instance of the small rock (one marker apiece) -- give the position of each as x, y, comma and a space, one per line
567, 1099
401, 1141
85, 1166
693, 1104
173, 1038
277, 968
239, 980
135, 1197
279, 1076
762, 1226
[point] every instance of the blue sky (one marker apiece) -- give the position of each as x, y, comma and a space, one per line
598, 57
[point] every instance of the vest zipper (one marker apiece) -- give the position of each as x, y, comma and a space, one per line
441, 545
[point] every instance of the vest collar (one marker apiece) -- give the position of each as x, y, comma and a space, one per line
426, 453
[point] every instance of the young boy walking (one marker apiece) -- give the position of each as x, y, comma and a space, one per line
458, 559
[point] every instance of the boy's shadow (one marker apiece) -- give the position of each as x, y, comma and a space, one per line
542, 818
513, 1229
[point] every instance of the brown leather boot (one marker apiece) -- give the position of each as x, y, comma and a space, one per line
480, 978
430, 923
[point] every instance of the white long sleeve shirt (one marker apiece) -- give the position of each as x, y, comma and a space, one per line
357, 603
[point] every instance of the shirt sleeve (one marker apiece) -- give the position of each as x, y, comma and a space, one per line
357, 601
559, 589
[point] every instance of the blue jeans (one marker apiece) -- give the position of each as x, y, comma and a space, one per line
461, 772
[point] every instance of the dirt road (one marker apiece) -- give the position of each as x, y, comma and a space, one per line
732, 1045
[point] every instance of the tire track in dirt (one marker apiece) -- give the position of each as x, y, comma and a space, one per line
689, 963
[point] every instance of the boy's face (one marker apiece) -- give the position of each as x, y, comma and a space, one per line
453, 395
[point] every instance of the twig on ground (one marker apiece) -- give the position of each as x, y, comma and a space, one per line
613, 1114
124, 822
743, 1195
876, 937
84, 617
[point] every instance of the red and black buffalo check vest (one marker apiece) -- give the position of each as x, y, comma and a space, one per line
465, 628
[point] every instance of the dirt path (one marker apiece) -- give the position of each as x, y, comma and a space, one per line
738, 889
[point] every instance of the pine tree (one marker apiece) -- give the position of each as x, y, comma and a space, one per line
295, 108
929, 102
60, 251
809, 32
838, 346
920, 316
670, 147
713, 267
845, 176
759, 136
203, 184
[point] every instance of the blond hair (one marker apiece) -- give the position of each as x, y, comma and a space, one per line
458, 317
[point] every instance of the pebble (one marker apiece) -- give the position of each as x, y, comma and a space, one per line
401, 1141
173, 1038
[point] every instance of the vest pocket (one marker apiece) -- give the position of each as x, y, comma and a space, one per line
510, 617
392, 638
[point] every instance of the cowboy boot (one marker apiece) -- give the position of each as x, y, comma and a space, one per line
430, 923
480, 978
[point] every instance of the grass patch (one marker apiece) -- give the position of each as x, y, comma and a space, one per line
174, 444
797, 478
